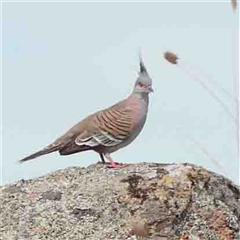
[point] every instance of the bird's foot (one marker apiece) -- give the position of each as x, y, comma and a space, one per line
112, 164
116, 165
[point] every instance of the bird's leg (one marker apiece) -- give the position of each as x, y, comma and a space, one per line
113, 164
102, 158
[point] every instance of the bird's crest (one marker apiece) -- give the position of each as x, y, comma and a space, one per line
143, 69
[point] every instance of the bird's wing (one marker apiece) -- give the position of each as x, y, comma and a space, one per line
107, 128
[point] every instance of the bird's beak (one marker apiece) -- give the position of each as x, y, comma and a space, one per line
150, 89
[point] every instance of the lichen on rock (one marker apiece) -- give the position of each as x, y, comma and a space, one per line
145, 200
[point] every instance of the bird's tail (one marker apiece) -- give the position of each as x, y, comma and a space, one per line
50, 148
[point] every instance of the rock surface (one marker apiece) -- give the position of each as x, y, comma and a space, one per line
141, 201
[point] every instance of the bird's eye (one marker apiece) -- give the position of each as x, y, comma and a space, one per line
140, 84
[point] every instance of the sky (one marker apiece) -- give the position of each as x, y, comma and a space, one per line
62, 61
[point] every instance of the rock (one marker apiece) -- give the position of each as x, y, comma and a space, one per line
51, 195
13, 189
145, 200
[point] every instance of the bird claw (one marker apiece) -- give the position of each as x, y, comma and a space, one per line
116, 165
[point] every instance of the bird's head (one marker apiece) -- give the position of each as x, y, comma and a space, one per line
143, 83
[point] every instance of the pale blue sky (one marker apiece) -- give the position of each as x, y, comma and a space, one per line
63, 61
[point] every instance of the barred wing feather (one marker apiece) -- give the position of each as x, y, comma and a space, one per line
109, 128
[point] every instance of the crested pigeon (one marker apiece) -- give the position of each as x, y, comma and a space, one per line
107, 130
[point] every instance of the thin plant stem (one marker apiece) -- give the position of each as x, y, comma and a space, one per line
209, 91
235, 72
207, 153
203, 149
216, 83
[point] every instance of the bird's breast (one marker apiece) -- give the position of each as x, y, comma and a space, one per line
137, 109
139, 115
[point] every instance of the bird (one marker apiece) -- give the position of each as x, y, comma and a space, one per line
107, 130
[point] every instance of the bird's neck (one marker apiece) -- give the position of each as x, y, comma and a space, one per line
142, 96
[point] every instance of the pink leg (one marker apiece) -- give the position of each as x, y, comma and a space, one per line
112, 163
